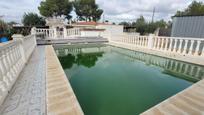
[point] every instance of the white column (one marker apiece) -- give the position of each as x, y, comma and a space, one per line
55, 33
65, 32
197, 47
171, 42
154, 42
162, 43
166, 44
150, 41
2, 74
202, 52
142, 40
185, 47
191, 47
180, 45
158, 43
175, 45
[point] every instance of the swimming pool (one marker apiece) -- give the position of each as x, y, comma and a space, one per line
109, 80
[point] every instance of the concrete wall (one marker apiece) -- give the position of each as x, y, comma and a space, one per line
91, 33
113, 29
188, 26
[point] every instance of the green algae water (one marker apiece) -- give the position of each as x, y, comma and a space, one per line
114, 81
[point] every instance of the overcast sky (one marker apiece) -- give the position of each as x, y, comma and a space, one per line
114, 10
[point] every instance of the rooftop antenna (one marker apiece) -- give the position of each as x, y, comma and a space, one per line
153, 15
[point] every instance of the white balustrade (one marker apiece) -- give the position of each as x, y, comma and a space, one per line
73, 32
184, 46
48, 33
13, 56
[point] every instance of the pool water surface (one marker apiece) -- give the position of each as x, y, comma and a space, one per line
113, 81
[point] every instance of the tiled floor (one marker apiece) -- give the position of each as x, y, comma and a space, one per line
27, 96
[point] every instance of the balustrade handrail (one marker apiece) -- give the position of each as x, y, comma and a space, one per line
184, 38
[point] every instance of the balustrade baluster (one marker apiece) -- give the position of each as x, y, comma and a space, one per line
142, 40
166, 44
155, 42
185, 47
202, 52
16, 58
158, 43
137, 40
191, 47
175, 45
134, 40
12, 63
144, 43
171, 44
8, 64
146, 40
5, 70
3, 85
197, 47
180, 45
162, 43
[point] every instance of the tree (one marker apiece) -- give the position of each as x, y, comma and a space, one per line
12, 23
32, 19
195, 8
50, 8
3, 26
144, 27
126, 24
140, 25
87, 10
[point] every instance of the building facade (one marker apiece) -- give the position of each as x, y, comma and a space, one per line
188, 26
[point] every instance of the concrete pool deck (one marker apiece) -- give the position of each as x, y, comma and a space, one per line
42, 88
187, 102
47, 92
27, 96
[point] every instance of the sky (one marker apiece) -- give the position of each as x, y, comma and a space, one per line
114, 10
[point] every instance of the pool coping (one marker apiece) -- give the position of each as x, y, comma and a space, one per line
189, 102
60, 96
